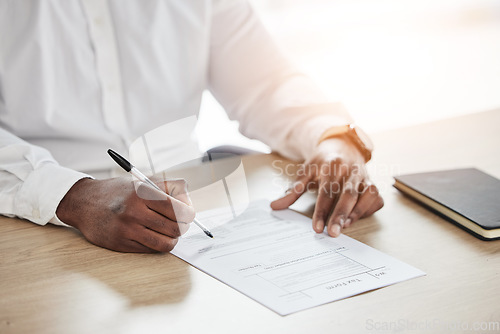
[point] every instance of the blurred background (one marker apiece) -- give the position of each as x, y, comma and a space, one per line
391, 62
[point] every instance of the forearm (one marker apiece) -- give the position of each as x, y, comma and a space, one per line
258, 86
294, 132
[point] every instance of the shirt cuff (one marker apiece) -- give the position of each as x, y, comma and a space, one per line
310, 123
43, 190
56, 221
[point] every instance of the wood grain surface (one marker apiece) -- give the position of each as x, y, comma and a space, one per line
53, 281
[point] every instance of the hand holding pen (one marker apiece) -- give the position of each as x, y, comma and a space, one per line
126, 217
128, 167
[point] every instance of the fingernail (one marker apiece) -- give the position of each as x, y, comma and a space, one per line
341, 222
335, 230
319, 226
348, 222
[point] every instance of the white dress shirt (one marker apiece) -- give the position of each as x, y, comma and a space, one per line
80, 76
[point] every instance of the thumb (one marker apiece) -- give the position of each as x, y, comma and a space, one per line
291, 195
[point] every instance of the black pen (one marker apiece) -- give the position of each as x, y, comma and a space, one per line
125, 164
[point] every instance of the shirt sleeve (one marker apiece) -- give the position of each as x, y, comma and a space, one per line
32, 183
258, 86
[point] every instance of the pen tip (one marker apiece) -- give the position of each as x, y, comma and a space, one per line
210, 235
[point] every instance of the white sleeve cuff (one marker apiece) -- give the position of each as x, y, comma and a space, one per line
43, 190
56, 221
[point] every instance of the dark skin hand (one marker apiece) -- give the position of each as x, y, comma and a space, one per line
124, 216
345, 193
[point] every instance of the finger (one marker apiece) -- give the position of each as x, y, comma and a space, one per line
291, 195
367, 198
164, 204
132, 246
158, 223
346, 202
324, 204
331, 185
154, 240
377, 205
129, 246
178, 189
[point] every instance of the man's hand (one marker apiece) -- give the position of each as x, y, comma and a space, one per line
345, 193
126, 217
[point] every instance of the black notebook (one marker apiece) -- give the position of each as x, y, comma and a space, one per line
468, 197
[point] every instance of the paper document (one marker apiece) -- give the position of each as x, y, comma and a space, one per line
275, 258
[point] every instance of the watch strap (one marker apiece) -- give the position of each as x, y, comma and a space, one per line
348, 131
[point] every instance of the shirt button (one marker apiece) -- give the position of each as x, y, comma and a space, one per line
98, 21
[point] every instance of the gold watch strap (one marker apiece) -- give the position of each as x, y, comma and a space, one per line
335, 131
353, 133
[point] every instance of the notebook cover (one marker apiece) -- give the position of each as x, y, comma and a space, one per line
468, 192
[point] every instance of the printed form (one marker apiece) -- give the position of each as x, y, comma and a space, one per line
275, 258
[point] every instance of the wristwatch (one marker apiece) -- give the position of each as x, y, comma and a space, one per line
354, 133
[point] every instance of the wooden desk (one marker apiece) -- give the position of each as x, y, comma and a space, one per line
53, 281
